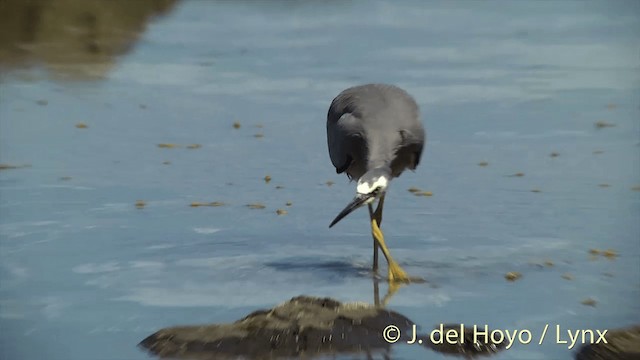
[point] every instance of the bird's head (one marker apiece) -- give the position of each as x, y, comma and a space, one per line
371, 186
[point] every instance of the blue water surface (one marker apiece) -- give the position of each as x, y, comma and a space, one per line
84, 274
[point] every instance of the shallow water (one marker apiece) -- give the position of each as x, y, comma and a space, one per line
85, 274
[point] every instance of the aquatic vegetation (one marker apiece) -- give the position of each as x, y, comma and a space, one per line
604, 185
9, 166
423, 193
329, 183
414, 190
518, 174
65, 178
212, 204
167, 146
548, 263
282, 212
236, 125
567, 276
512, 275
258, 135
81, 126
603, 124
589, 302
594, 251
194, 146
610, 254
483, 163
140, 204
554, 154
289, 203
536, 190
257, 206
267, 179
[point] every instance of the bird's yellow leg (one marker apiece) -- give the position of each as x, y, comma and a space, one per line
396, 273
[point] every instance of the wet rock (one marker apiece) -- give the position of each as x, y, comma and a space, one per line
622, 344
303, 327
298, 327
468, 347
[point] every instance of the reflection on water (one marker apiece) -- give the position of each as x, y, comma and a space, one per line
79, 39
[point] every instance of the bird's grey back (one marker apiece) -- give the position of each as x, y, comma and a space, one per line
376, 103
377, 116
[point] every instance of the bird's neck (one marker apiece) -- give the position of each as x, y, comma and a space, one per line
381, 153
381, 165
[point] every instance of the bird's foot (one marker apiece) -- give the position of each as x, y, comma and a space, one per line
397, 274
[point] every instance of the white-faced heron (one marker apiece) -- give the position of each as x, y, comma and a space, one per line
374, 133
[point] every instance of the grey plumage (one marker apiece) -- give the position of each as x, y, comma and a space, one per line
374, 128
374, 133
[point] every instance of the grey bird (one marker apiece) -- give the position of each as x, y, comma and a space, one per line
374, 133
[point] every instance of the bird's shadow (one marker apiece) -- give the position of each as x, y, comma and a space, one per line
331, 268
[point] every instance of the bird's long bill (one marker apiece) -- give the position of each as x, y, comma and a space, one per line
357, 201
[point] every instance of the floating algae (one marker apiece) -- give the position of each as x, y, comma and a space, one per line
603, 124
567, 276
512, 275
610, 254
10, 167
212, 204
423, 193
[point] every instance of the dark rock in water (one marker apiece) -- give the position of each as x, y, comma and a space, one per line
467, 348
622, 344
301, 327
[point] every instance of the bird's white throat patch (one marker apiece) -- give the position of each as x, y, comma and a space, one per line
366, 187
